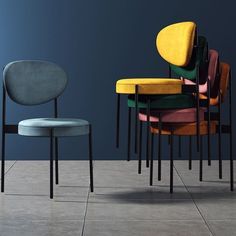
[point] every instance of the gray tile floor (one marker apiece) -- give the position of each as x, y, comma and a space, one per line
123, 203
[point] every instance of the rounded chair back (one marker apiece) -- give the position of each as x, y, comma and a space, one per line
33, 82
175, 43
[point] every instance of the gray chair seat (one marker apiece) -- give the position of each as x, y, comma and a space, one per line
60, 127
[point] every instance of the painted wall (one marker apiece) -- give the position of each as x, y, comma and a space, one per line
98, 42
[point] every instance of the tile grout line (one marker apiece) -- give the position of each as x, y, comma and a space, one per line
10, 168
85, 214
194, 203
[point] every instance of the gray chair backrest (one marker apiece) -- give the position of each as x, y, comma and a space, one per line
33, 82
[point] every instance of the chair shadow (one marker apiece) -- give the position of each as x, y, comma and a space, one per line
157, 196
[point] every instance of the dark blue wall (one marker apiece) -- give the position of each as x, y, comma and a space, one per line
97, 42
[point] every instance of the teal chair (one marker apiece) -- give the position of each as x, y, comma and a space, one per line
32, 83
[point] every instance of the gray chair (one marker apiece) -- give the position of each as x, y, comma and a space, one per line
33, 83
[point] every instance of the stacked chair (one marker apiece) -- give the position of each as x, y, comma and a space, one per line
180, 104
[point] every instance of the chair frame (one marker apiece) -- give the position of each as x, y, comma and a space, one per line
186, 88
221, 129
13, 129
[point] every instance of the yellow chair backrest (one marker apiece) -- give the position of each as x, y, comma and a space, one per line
175, 43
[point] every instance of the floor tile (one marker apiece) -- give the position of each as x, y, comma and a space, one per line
124, 174
123, 194
150, 228
217, 209
31, 178
40, 228
8, 166
223, 227
123, 202
14, 207
211, 186
73, 173
143, 210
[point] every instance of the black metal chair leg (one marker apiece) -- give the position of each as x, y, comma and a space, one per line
129, 134
51, 164
171, 162
201, 160
136, 119
140, 148
3, 139
190, 154
208, 123
151, 162
56, 161
148, 134
3, 162
231, 137
91, 159
197, 110
118, 121
219, 138
159, 147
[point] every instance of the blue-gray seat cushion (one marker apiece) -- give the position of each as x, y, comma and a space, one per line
60, 127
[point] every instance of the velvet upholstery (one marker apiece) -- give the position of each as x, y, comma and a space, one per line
183, 129
149, 86
173, 116
199, 57
212, 69
223, 81
164, 102
60, 127
175, 43
33, 82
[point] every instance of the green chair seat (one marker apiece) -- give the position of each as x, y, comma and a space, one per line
164, 102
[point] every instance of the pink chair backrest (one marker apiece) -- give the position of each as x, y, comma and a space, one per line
212, 70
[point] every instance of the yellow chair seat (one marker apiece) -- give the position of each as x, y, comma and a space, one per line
149, 86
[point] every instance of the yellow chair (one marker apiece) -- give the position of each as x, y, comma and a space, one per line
176, 44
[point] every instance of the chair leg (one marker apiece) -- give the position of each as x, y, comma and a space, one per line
208, 123
231, 164
136, 119
197, 111
56, 161
148, 134
159, 147
147, 146
151, 163
3, 162
118, 121
140, 148
219, 139
51, 164
201, 160
190, 153
171, 162
231, 137
209, 147
91, 158
129, 134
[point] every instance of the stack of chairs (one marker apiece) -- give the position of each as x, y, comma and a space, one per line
181, 104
